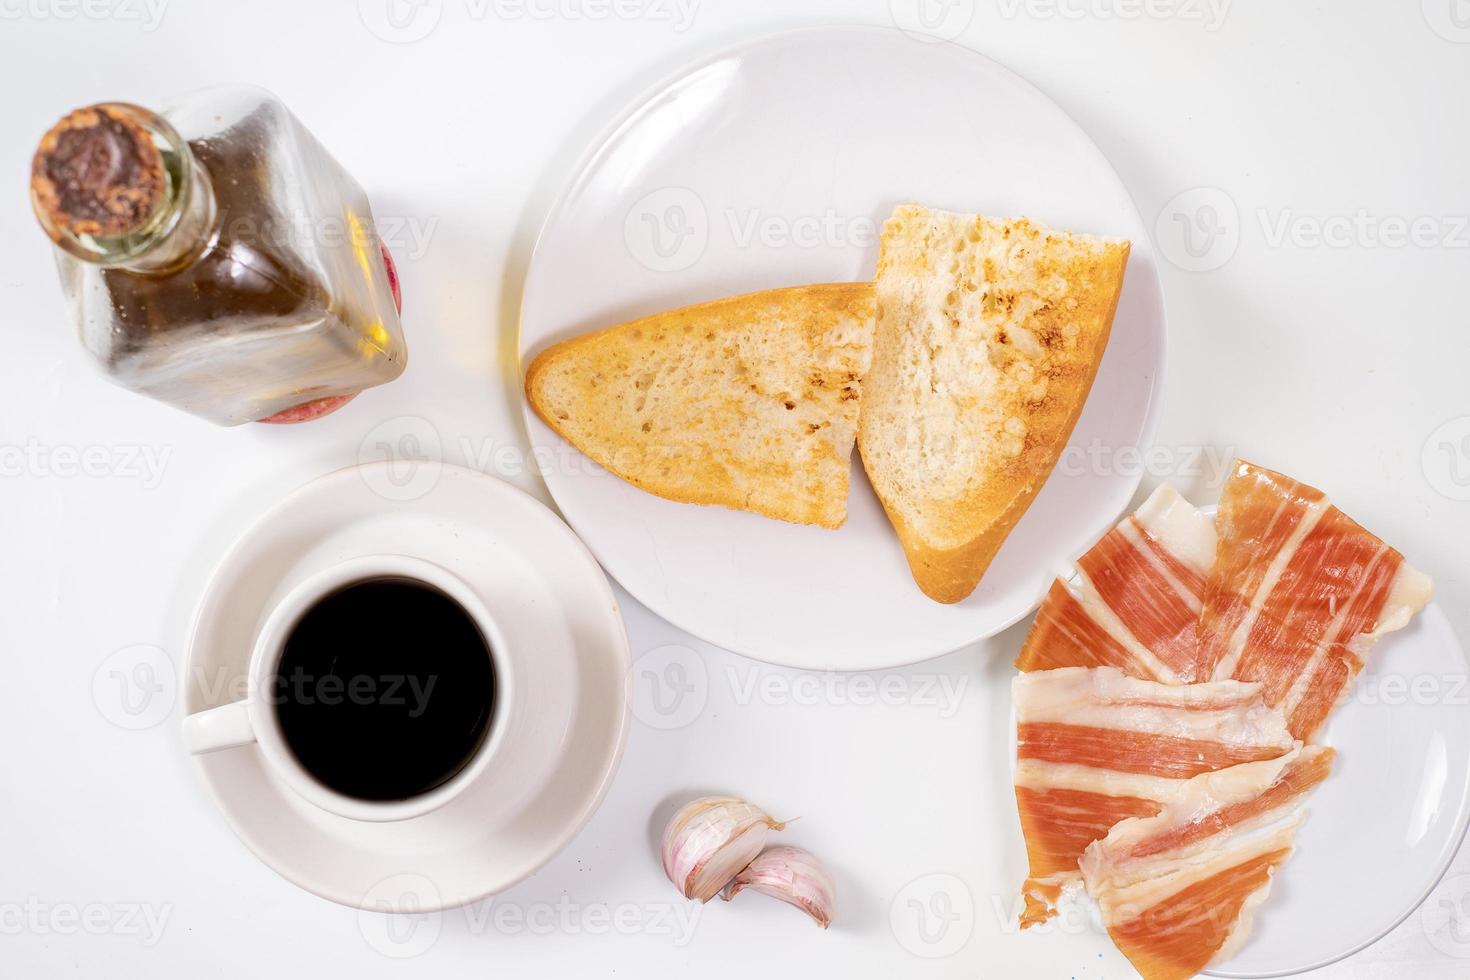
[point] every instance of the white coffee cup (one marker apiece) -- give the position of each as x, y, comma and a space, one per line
253, 721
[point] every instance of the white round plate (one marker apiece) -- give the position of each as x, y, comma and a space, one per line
569, 717
1384, 828
775, 164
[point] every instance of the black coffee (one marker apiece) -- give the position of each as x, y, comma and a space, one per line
385, 689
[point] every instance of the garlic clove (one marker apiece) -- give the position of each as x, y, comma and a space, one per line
725, 863
792, 875
709, 840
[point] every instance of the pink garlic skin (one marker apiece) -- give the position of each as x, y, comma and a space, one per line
709, 840
791, 875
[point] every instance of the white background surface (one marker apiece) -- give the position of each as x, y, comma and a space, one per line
1343, 363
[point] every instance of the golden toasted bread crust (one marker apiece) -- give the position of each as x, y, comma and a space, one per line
990, 333
749, 402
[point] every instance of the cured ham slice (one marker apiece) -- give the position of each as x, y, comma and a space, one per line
1169, 694
1095, 746
1298, 595
1178, 889
1136, 600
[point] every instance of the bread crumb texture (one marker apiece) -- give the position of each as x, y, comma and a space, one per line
989, 335
749, 402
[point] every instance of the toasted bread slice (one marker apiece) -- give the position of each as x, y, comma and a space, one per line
749, 402
990, 332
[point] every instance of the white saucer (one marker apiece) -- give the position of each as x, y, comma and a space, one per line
774, 164
564, 635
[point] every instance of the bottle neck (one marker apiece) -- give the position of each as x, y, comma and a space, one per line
135, 163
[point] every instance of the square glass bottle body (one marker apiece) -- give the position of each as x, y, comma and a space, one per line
275, 292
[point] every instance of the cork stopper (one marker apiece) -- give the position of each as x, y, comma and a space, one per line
98, 173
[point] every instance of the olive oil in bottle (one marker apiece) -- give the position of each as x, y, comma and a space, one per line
215, 257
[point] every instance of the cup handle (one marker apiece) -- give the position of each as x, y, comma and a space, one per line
219, 728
